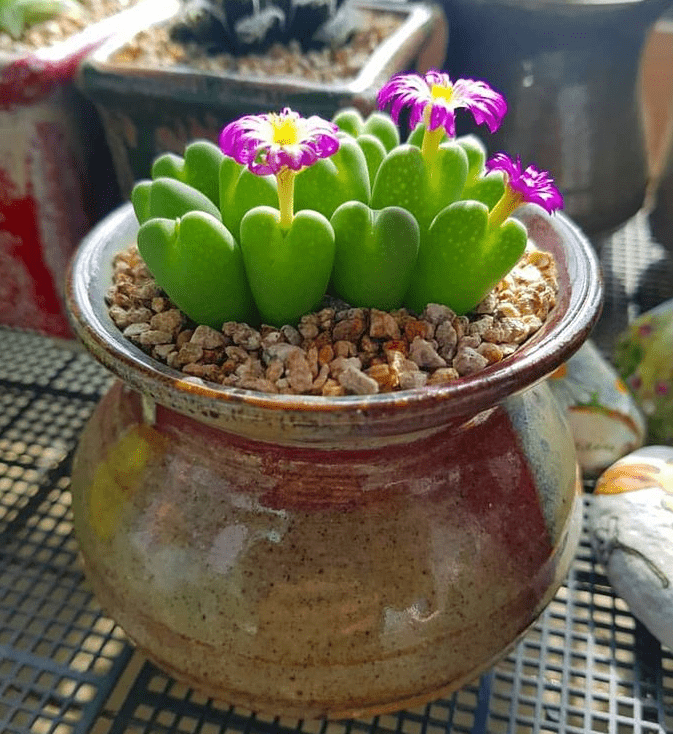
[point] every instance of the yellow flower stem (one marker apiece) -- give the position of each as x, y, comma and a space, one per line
509, 202
431, 138
430, 144
285, 179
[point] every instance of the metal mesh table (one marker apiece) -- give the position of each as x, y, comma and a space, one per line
586, 666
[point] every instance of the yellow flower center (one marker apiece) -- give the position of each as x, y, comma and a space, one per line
439, 91
285, 131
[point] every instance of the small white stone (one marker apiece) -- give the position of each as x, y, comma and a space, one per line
631, 526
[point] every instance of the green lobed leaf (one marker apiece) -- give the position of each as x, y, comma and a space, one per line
460, 260
445, 258
405, 179
199, 264
288, 270
331, 181
170, 198
375, 254
350, 121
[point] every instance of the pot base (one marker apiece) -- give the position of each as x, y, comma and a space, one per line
336, 582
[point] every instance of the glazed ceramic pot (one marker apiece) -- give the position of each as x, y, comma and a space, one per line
314, 556
148, 109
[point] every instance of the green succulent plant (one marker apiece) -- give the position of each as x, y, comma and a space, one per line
244, 26
18, 15
288, 207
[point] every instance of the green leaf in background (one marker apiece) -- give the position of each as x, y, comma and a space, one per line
200, 168
140, 198
331, 181
18, 15
242, 190
170, 198
405, 179
350, 121
487, 189
476, 156
381, 125
416, 136
374, 152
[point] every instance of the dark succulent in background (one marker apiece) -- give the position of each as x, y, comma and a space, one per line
244, 26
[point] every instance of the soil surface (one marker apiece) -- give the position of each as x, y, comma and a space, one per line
338, 350
154, 46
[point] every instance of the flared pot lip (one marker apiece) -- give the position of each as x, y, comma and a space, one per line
567, 327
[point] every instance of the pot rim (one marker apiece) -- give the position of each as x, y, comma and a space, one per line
567, 327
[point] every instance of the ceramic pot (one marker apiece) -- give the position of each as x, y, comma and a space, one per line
151, 109
314, 556
570, 72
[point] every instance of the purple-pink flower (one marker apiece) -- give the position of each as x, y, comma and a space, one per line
434, 99
269, 143
529, 185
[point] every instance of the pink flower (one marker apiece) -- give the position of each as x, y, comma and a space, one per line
268, 143
434, 98
529, 186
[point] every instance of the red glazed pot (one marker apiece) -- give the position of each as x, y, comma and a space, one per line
336, 557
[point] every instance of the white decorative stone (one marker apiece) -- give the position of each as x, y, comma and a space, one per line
604, 419
631, 525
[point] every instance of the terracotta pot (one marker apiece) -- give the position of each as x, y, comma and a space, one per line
314, 556
151, 109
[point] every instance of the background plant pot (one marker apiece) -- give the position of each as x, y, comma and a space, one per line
570, 72
56, 176
316, 556
147, 110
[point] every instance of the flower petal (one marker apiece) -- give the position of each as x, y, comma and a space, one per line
531, 184
267, 143
443, 96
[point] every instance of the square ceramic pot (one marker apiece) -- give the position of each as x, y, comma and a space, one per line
56, 176
147, 110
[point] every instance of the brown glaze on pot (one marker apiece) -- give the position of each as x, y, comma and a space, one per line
327, 557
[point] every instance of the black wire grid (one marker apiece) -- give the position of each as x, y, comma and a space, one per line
586, 666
